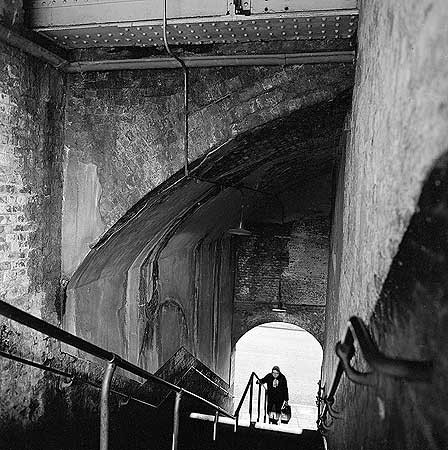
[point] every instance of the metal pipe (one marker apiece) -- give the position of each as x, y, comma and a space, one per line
251, 396
226, 392
104, 410
213, 61
35, 364
176, 420
215, 424
185, 70
18, 41
69, 375
259, 402
48, 329
265, 405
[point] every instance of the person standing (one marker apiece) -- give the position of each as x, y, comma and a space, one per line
277, 393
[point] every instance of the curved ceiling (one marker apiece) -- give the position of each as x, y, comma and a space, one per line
286, 159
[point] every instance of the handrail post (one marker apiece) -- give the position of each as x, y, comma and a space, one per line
251, 395
176, 420
235, 427
104, 407
215, 424
265, 405
259, 402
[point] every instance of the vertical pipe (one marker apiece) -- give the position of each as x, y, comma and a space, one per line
251, 396
235, 428
265, 404
259, 401
185, 70
318, 401
104, 408
215, 424
176, 420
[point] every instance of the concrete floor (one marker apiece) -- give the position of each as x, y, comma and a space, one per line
299, 356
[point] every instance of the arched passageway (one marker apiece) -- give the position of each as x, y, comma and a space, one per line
295, 351
170, 260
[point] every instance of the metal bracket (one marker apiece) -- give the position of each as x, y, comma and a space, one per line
243, 7
345, 353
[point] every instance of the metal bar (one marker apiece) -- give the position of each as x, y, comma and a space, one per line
69, 375
41, 25
176, 420
35, 364
40, 325
213, 61
104, 410
251, 397
215, 424
211, 381
402, 368
240, 404
185, 71
265, 406
259, 403
16, 40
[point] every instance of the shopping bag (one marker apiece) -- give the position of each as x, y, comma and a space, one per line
285, 414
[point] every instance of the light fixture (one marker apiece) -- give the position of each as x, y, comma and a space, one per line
240, 231
279, 307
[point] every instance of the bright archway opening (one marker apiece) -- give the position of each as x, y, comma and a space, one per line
296, 352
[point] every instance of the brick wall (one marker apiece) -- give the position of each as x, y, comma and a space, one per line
31, 138
398, 130
295, 253
124, 131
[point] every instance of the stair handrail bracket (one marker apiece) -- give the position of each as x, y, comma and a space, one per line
358, 336
357, 332
112, 361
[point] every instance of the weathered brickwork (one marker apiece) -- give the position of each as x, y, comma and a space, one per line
295, 253
125, 129
398, 130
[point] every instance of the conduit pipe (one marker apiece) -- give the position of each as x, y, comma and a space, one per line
185, 70
214, 61
22, 43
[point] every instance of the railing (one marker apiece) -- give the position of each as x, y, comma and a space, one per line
250, 389
113, 361
358, 333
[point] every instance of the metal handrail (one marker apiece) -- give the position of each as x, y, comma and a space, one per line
357, 332
72, 377
22, 317
249, 388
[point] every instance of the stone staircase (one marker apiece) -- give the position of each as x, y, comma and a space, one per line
197, 434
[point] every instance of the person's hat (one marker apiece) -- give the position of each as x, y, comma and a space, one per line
276, 368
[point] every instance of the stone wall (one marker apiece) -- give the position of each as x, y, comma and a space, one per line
124, 131
291, 257
31, 142
398, 130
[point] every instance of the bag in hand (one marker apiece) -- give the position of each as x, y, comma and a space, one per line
285, 415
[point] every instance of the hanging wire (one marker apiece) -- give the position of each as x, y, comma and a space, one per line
185, 70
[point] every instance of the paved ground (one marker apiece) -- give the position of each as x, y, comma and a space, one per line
299, 357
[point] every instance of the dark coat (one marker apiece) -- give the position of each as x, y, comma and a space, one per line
276, 395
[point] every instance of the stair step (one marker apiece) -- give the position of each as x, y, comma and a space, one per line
247, 424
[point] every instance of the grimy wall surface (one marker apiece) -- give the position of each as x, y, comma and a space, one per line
124, 138
31, 149
398, 130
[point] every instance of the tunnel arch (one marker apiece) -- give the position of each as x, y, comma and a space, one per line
312, 325
298, 354
173, 242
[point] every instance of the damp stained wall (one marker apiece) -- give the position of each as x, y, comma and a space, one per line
398, 130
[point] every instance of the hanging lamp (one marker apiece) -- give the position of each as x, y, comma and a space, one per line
279, 307
240, 231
